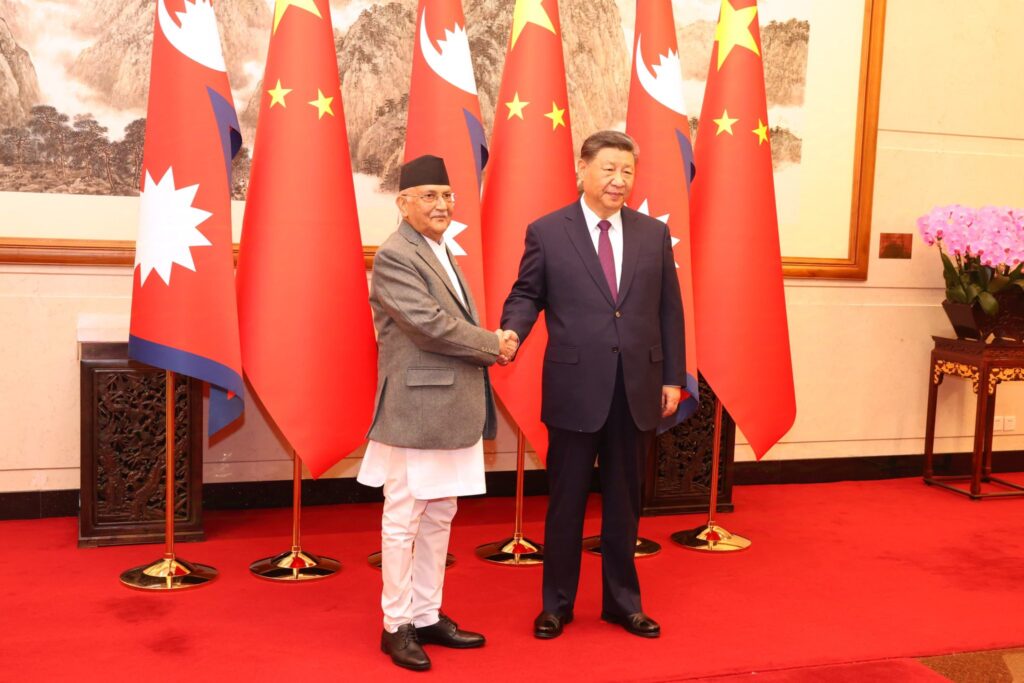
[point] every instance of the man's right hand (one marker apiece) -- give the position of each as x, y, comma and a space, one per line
508, 343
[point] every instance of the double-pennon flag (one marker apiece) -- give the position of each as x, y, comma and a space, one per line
657, 120
183, 316
529, 175
307, 336
444, 120
742, 336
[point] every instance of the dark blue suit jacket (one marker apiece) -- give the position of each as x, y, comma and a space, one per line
588, 332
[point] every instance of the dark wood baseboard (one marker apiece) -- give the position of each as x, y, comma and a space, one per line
265, 494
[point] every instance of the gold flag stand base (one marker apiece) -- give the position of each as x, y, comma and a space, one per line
512, 551
295, 565
168, 574
711, 539
374, 560
645, 547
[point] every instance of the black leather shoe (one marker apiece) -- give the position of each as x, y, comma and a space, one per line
404, 648
549, 624
638, 623
447, 633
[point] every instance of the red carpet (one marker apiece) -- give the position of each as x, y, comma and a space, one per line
838, 573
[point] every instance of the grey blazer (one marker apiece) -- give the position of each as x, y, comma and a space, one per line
432, 389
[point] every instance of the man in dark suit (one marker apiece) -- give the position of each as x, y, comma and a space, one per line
605, 276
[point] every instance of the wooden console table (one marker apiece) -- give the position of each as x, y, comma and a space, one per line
986, 365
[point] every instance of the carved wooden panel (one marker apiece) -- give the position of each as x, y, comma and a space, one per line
678, 478
123, 451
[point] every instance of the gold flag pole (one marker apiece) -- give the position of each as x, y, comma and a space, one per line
168, 573
296, 564
517, 550
711, 537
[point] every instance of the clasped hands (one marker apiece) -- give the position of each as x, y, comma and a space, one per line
508, 343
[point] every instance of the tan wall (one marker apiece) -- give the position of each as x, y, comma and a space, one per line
951, 130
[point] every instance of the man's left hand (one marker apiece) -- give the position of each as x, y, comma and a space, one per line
670, 400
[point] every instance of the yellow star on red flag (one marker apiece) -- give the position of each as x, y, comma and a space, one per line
733, 30
516, 106
529, 12
277, 94
322, 104
281, 6
557, 116
761, 132
724, 123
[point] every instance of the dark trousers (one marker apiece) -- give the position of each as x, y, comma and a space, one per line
620, 449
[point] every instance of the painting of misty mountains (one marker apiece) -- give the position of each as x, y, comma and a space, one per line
74, 80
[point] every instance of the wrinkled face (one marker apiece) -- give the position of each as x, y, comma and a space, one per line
425, 208
607, 180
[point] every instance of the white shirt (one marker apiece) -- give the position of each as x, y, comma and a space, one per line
614, 234
441, 252
430, 473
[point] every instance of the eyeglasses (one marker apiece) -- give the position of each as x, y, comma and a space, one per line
431, 197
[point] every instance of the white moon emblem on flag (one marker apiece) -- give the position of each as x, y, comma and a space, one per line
453, 62
665, 84
197, 37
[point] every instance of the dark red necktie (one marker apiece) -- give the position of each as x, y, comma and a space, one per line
607, 258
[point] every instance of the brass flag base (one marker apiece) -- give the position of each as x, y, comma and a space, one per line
645, 547
168, 574
711, 539
512, 551
374, 560
295, 565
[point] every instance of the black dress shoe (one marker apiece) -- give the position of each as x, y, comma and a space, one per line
638, 623
549, 624
447, 633
404, 648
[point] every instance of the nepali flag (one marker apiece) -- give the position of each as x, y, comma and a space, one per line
184, 318
657, 120
444, 120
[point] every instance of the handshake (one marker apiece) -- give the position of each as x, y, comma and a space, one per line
508, 342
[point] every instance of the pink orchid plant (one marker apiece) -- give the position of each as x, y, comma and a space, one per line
982, 251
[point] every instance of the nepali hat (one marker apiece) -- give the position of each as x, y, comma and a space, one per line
424, 170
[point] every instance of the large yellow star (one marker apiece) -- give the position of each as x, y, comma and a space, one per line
761, 132
529, 12
277, 94
734, 30
322, 104
281, 5
724, 123
516, 106
557, 116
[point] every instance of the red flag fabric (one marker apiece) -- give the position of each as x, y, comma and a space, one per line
657, 120
444, 120
184, 316
530, 174
308, 348
740, 305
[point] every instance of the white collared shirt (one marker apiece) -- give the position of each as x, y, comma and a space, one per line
441, 252
614, 234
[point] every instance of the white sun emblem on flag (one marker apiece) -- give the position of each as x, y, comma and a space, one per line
168, 227
449, 237
646, 210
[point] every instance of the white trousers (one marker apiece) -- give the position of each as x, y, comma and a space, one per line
414, 546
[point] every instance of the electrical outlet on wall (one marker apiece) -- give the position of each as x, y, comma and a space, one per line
1010, 423
997, 423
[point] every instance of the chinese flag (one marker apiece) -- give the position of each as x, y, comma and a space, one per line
307, 336
740, 306
531, 174
184, 315
444, 120
657, 121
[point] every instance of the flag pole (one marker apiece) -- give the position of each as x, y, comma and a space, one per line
517, 550
296, 564
168, 573
711, 537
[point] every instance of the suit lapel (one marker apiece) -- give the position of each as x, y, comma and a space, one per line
576, 229
474, 316
427, 254
630, 252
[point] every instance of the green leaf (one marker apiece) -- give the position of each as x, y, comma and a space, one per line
984, 276
988, 303
956, 293
998, 283
948, 270
1017, 272
972, 290
1018, 283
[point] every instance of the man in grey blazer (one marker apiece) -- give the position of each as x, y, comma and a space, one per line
433, 410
